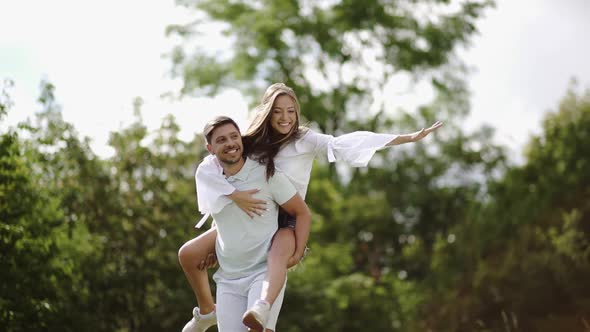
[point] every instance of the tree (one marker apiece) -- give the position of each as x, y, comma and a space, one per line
531, 251
93, 242
151, 217
335, 55
35, 276
339, 58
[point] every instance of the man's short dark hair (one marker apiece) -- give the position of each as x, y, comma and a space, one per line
215, 123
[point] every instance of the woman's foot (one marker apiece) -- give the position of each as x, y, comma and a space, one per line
255, 318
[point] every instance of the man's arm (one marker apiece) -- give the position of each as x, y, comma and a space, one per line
297, 208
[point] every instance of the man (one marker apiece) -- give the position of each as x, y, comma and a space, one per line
242, 243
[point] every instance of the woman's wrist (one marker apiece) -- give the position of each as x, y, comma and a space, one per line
232, 196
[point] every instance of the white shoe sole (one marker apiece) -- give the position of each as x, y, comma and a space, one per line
251, 321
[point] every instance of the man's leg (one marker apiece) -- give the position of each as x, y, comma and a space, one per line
231, 304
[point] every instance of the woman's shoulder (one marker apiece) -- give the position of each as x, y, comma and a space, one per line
304, 131
308, 134
305, 135
309, 141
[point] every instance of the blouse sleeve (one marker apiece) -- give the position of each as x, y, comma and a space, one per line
212, 186
356, 148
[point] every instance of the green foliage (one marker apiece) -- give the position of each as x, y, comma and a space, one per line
443, 236
33, 276
92, 242
393, 217
304, 42
529, 255
5, 101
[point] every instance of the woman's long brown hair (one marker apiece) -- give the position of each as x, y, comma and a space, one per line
261, 141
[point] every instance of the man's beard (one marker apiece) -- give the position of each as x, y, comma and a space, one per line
230, 160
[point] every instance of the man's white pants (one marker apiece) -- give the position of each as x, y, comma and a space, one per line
235, 296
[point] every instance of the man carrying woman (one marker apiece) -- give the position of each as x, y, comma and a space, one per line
243, 243
275, 139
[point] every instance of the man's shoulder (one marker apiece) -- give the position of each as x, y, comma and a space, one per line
253, 164
279, 180
257, 171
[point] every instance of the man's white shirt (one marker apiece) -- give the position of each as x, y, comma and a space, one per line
242, 242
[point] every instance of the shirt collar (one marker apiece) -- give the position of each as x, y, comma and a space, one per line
242, 175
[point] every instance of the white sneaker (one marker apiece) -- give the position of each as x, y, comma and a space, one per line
255, 318
200, 323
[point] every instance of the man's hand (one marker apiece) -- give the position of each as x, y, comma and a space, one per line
209, 262
246, 202
294, 260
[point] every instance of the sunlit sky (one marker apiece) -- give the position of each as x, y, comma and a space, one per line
100, 55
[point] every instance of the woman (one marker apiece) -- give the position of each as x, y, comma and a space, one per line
275, 139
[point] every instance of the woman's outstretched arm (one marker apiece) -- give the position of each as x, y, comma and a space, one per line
416, 136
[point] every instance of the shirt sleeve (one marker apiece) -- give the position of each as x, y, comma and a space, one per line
356, 148
281, 188
212, 186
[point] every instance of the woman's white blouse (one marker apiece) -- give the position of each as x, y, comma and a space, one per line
295, 160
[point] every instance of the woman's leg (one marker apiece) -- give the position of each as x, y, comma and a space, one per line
268, 316
190, 256
283, 247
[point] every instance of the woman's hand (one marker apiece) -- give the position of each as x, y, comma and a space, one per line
245, 200
424, 132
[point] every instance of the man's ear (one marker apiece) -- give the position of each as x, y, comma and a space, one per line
209, 148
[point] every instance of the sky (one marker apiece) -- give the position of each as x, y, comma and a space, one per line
100, 55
